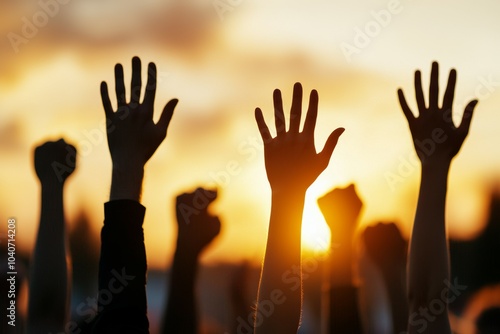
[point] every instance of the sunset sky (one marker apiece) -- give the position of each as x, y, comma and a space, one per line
223, 64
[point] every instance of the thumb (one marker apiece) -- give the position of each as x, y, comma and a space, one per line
331, 142
166, 114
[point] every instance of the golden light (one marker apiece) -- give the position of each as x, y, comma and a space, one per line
315, 231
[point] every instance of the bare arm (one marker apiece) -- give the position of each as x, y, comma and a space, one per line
196, 230
292, 165
341, 208
49, 284
388, 250
437, 140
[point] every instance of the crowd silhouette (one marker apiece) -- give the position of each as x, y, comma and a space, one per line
421, 285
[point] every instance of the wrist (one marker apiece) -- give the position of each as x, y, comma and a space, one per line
393, 271
127, 165
126, 182
435, 171
341, 272
342, 230
436, 163
186, 255
290, 193
54, 187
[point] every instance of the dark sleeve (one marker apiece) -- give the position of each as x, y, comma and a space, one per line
122, 305
344, 312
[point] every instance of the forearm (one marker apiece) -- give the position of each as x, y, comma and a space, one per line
344, 311
281, 272
429, 265
122, 270
429, 262
395, 282
49, 273
341, 259
180, 313
344, 316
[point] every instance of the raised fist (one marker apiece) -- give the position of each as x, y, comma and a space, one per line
196, 227
55, 161
341, 208
385, 245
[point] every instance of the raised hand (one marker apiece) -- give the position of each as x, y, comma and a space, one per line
435, 136
196, 226
437, 140
341, 208
292, 164
291, 158
55, 161
133, 136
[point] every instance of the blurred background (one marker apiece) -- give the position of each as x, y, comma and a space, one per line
221, 59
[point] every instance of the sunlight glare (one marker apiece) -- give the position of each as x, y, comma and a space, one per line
315, 231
